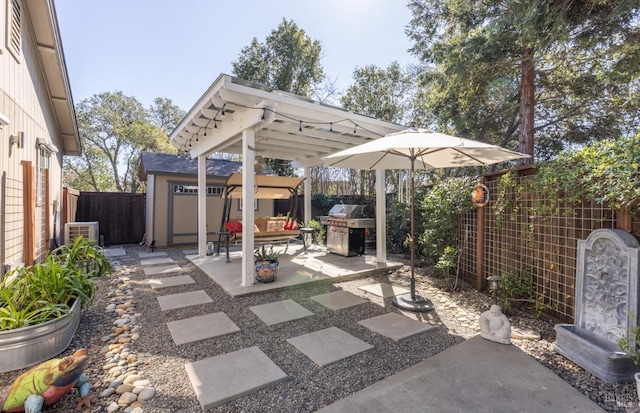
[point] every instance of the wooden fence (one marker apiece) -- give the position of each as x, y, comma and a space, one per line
121, 215
520, 242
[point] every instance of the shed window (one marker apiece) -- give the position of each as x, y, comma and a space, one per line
193, 189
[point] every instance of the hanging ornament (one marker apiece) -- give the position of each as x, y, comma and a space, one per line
480, 195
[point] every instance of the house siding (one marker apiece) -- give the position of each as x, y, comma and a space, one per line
24, 100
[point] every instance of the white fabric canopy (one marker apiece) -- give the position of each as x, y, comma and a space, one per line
429, 149
266, 186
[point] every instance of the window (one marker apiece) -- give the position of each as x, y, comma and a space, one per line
43, 165
14, 22
193, 189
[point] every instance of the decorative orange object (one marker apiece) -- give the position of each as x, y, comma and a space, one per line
480, 195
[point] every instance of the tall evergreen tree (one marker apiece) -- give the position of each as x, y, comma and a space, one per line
501, 71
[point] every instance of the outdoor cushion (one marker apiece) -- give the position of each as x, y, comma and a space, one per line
233, 226
272, 226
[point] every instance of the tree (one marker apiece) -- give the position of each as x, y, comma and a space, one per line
383, 94
114, 131
288, 61
502, 71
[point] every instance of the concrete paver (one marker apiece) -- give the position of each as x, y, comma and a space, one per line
145, 255
161, 269
201, 327
173, 301
114, 252
477, 376
329, 346
170, 281
280, 312
219, 379
156, 261
338, 300
395, 326
384, 290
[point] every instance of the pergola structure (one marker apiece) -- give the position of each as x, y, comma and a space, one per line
245, 118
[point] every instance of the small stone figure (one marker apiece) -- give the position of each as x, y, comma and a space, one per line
495, 326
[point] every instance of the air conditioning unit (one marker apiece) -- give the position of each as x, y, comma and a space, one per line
88, 230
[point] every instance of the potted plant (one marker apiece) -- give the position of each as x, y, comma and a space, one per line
266, 261
40, 304
631, 348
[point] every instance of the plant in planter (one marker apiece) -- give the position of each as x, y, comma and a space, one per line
40, 304
266, 261
631, 348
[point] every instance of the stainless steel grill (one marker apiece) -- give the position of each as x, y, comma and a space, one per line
346, 229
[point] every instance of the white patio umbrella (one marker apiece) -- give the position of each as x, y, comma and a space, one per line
414, 149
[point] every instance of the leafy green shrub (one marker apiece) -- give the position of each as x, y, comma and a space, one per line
398, 227
319, 231
446, 263
45, 291
439, 211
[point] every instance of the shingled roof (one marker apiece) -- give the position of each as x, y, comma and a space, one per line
166, 164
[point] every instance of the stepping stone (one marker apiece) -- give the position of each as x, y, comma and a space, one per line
156, 261
329, 346
143, 255
338, 300
161, 269
280, 312
171, 281
114, 252
201, 327
395, 326
173, 301
219, 379
384, 290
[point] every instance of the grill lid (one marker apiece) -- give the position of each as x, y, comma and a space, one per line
346, 211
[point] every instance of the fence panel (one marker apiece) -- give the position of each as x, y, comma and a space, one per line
521, 241
121, 215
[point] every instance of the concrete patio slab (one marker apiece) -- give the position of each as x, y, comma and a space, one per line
219, 379
144, 255
280, 312
190, 251
173, 301
201, 327
156, 261
477, 375
395, 326
296, 267
171, 281
329, 346
161, 269
338, 300
384, 290
114, 252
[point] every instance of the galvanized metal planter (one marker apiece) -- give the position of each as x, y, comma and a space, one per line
24, 347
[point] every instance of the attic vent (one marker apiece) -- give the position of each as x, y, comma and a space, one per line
14, 35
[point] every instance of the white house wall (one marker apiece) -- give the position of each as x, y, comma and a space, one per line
24, 101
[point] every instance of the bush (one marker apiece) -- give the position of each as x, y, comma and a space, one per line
439, 211
45, 291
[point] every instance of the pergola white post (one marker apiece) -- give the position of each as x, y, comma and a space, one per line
307, 194
381, 218
248, 214
202, 205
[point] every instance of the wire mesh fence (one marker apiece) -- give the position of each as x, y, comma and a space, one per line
512, 238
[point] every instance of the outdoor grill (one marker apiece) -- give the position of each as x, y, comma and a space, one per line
346, 229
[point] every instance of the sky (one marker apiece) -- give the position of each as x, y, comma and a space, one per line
175, 49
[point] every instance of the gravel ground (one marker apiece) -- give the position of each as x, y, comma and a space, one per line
308, 387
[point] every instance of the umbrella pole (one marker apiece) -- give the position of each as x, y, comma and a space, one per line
411, 301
